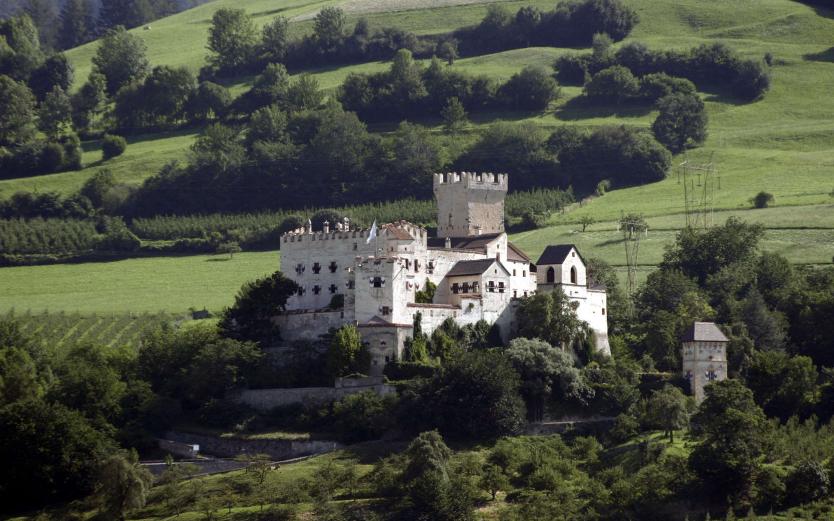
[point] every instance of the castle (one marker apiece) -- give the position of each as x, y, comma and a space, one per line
371, 277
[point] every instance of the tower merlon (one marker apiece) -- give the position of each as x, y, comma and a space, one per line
487, 180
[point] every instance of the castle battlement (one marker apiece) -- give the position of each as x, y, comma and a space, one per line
348, 232
485, 180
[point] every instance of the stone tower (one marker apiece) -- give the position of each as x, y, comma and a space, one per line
704, 357
469, 203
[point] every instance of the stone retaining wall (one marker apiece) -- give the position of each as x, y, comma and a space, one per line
276, 449
265, 399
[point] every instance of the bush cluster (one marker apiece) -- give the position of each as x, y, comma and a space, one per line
570, 24
707, 65
409, 90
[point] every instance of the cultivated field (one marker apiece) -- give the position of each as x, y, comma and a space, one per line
111, 330
172, 284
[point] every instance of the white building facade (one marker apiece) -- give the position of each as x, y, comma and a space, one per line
346, 276
704, 354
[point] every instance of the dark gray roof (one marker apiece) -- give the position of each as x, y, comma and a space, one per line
704, 332
471, 267
557, 253
472, 242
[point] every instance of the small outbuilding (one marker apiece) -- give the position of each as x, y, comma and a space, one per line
704, 354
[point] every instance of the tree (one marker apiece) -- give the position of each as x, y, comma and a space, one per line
88, 382
732, 429
544, 370
586, 220
329, 29
304, 93
256, 304
808, 482
766, 328
783, 385
667, 409
17, 107
55, 71
762, 200
44, 15
55, 113
275, 40
701, 253
752, 80
493, 480
95, 188
530, 89
89, 103
20, 51
120, 58
232, 40
552, 318
453, 115
347, 354
112, 146
614, 84
433, 488
640, 157
448, 51
218, 149
77, 24
474, 396
123, 486
208, 101
127, 13
22, 373
56, 453
682, 122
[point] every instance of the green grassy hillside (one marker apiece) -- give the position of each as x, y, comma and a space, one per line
783, 143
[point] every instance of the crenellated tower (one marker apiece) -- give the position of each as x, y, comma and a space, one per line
469, 203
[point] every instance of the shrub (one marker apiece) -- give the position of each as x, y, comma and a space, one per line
615, 84
52, 157
112, 146
762, 199
682, 122
530, 89
808, 482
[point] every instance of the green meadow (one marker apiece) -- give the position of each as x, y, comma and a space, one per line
172, 284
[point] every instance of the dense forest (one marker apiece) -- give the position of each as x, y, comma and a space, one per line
760, 441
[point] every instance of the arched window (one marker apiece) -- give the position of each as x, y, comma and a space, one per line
573, 275
551, 275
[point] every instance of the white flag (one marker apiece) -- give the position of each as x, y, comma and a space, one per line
372, 235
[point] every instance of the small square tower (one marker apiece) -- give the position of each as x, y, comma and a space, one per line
704, 357
469, 203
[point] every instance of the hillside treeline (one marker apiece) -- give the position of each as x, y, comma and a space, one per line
64, 24
236, 47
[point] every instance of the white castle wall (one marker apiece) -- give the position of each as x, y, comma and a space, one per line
700, 359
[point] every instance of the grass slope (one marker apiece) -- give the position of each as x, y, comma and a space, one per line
172, 284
